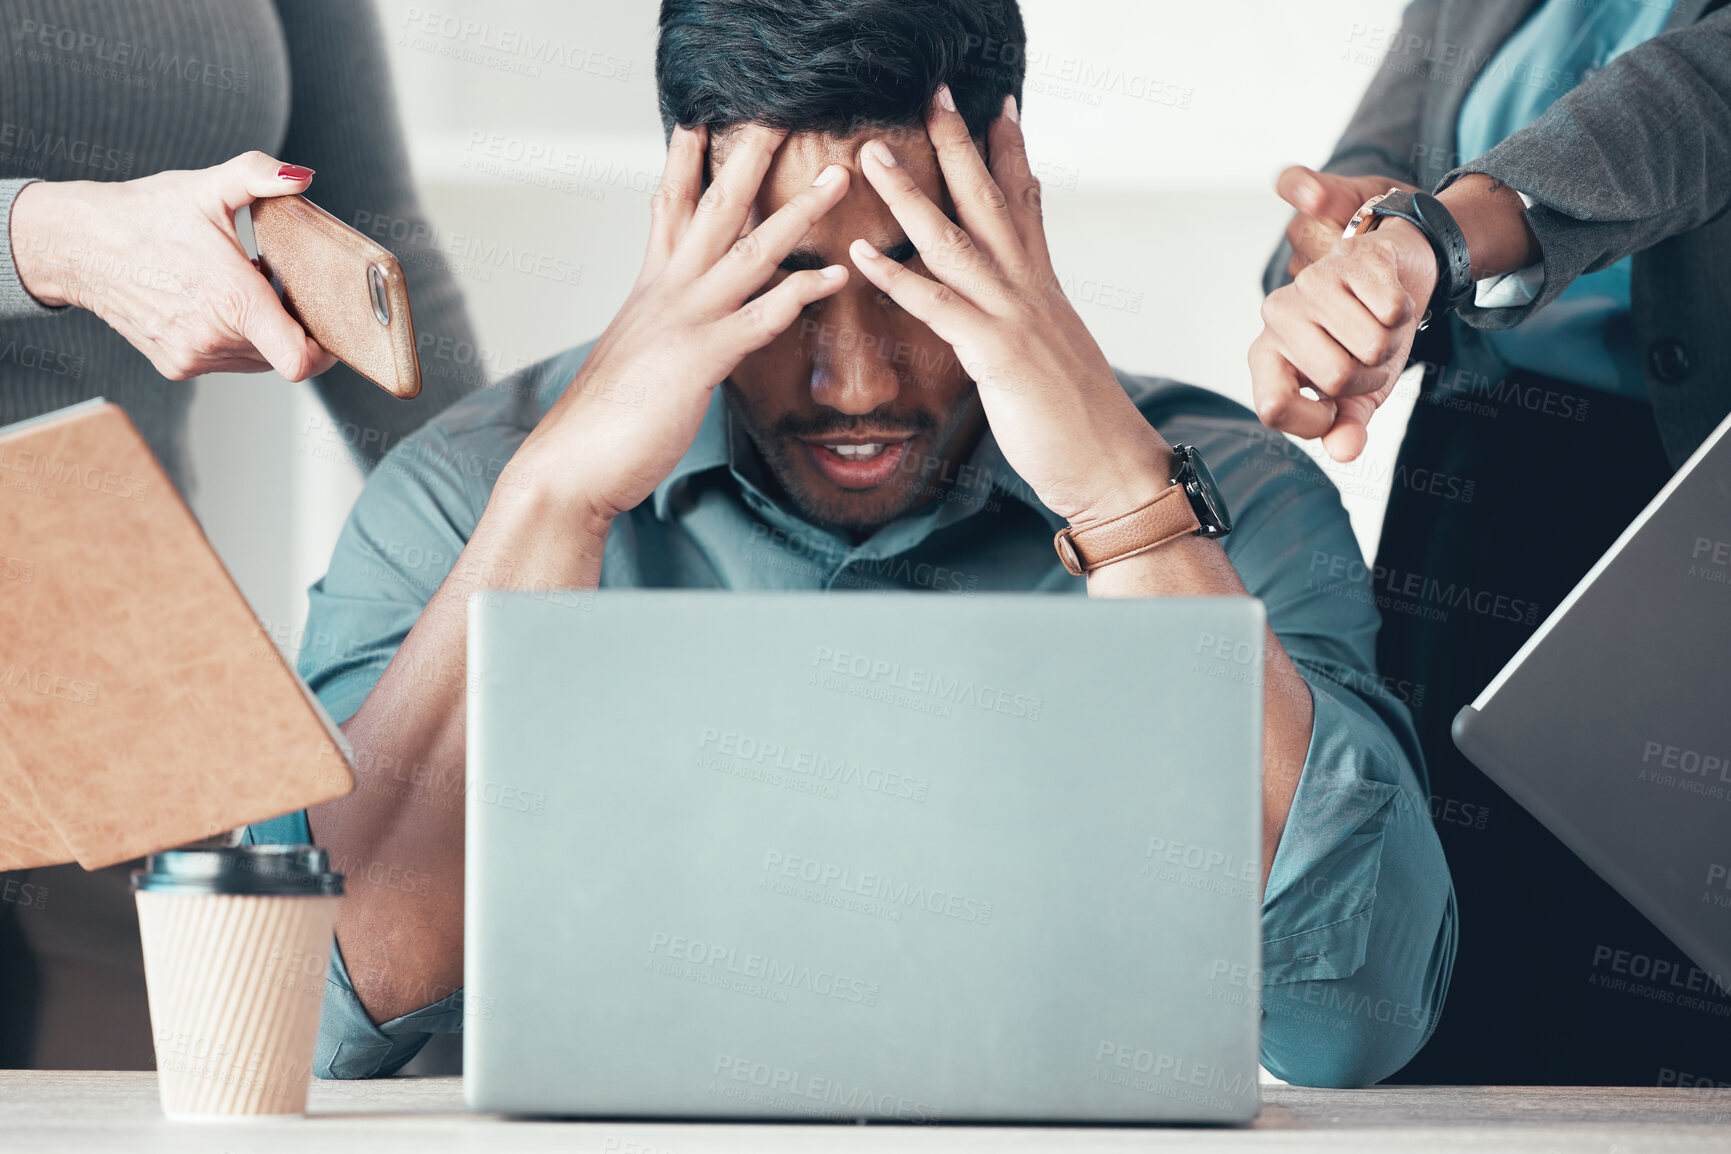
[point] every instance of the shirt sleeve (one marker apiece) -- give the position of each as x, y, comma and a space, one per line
343, 122
403, 537
1358, 919
1639, 153
16, 303
1512, 290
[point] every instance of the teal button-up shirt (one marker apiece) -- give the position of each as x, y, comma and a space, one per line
1358, 918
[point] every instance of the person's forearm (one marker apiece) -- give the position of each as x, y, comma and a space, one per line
404, 945
1197, 567
1494, 221
157, 259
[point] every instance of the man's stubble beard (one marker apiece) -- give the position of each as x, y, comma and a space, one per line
912, 485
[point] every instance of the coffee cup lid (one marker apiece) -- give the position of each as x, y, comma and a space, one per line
266, 870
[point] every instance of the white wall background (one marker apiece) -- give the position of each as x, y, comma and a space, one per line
1159, 128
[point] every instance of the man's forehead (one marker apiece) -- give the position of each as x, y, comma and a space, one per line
802, 155
817, 149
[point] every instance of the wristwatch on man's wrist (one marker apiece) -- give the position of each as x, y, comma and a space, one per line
1454, 282
1191, 507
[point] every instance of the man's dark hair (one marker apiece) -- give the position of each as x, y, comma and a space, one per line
835, 66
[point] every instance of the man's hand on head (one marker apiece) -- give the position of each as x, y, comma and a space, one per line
1057, 410
639, 399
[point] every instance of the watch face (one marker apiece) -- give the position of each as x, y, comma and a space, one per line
1204, 495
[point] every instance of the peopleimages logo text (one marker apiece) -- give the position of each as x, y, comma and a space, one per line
876, 887
926, 683
54, 471
1414, 593
838, 769
791, 1089
49, 684
785, 975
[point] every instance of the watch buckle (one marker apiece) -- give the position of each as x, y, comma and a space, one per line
1067, 552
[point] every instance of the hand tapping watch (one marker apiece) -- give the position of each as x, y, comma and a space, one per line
1190, 507
1454, 281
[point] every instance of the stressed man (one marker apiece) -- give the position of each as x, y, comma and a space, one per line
848, 363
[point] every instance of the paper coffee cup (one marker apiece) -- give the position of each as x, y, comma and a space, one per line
236, 944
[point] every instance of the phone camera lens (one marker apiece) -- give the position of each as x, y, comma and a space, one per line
381, 302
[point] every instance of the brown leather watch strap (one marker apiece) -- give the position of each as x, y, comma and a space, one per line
1084, 548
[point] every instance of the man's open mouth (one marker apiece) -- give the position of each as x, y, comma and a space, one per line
857, 463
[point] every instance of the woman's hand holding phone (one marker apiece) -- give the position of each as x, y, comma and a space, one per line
159, 260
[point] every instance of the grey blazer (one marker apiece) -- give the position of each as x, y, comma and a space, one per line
1637, 160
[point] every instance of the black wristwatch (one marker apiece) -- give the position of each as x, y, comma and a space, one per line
1454, 281
1189, 470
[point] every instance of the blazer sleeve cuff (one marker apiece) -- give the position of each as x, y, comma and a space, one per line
1569, 246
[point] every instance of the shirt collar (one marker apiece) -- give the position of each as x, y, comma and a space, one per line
708, 451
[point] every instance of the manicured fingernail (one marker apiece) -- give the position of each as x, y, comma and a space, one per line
294, 172
946, 98
880, 152
860, 250
826, 176
1011, 110
833, 272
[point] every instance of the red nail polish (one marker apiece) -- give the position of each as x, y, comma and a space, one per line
294, 172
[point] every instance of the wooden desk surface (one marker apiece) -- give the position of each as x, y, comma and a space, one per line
46, 1112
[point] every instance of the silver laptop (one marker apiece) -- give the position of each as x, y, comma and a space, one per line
887, 857
1612, 725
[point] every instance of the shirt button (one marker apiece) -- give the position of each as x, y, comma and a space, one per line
1669, 361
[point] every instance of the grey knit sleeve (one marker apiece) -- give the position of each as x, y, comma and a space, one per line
16, 303
343, 123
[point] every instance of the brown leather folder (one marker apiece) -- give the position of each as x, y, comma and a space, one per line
142, 706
